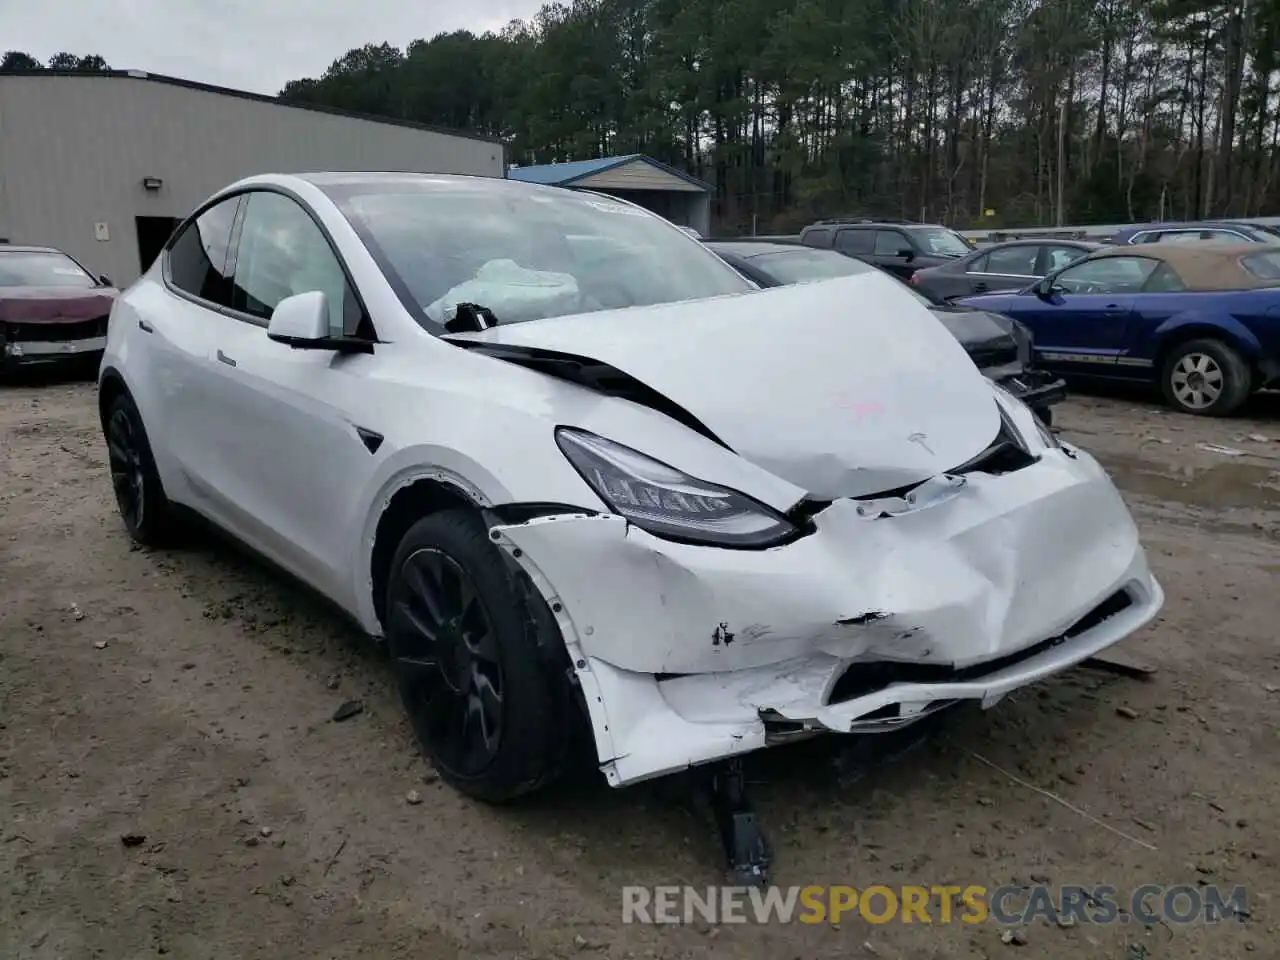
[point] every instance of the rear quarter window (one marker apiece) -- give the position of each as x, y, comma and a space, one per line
817, 238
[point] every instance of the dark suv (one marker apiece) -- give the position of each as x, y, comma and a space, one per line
898, 246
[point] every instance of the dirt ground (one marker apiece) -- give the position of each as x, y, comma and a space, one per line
185, 697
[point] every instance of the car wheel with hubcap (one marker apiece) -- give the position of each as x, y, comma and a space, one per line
1206, 377
483, 694
139, 495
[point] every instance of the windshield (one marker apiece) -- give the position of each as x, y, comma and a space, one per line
944, 242
525, 253
38, 268
805, 265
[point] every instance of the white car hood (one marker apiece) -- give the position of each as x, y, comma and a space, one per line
845, 387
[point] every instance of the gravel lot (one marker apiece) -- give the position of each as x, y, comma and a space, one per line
203, 725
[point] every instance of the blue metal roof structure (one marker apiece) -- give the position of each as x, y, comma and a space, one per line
568, 173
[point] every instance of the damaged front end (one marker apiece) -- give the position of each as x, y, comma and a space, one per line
965, 587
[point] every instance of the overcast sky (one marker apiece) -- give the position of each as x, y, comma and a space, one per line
256, 45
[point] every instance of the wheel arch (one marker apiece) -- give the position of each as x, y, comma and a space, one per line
110, 386
1181, 329
415, 498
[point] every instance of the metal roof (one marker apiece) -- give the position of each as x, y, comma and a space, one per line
246, 95
567, 173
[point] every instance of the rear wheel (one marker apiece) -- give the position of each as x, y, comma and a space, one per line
140, 497
487, 702
1206, 378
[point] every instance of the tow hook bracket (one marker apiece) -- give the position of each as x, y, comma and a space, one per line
745, 845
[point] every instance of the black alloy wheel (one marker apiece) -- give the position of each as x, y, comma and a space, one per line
447, 655
127, 475
482, 670
146, 511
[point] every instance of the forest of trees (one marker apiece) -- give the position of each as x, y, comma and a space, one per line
970, 112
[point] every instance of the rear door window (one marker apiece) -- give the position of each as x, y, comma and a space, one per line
818, 238
1015, 261
196, 262
855, 241
1224, 236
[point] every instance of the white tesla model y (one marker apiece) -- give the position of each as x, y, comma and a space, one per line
573, 468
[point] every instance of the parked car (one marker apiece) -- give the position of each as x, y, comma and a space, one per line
898, 246
642, 494
1197, 231
1001, 266
1001, 348
51, 308
1201, 321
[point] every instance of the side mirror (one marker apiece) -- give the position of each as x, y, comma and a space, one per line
302, 322
1043, 288
907, 254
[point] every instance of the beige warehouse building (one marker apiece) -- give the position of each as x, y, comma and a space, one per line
104, 165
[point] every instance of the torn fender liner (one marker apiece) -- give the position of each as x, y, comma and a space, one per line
1005, 563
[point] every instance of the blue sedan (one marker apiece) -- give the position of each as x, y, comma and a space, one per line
1200, 321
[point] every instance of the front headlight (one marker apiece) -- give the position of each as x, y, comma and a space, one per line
667, 503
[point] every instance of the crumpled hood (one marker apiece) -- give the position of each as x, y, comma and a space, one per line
55, 304
844, 387
988, 337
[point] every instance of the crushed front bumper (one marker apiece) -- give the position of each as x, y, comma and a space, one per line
886, 612
26, 343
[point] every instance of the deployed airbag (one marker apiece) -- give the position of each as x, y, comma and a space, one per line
511, 292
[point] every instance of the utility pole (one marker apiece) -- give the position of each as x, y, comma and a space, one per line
1062, 159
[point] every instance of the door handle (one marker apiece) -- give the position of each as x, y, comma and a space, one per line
145, 327
1114, 308
980, 286
223, 358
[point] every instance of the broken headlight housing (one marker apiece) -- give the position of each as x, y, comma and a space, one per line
668, 503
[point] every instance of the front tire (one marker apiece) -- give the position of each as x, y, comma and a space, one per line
487, 701
1206, 378
140, 496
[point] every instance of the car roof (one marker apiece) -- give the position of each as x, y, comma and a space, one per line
756, 248
16, 248
1044, 241
1190, 225
328, 179
1201, 266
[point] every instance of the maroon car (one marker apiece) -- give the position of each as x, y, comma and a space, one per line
51, 308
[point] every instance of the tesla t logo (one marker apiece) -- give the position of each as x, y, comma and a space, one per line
922, 440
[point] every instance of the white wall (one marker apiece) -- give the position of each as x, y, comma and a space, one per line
74, 150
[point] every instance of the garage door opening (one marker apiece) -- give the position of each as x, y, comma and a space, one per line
153, 233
